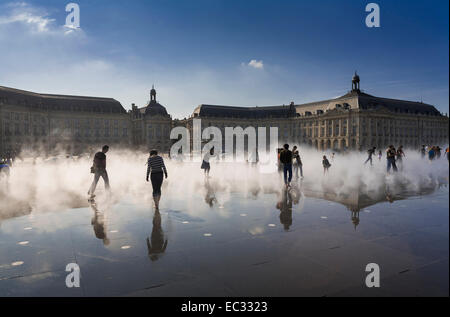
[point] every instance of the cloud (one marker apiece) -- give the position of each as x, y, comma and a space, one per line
34, 19
256, 64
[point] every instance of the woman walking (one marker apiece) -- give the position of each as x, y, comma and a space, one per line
155, 169
326, 164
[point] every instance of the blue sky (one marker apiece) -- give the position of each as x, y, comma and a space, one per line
201, 51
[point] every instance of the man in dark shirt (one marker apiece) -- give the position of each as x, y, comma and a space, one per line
99, 169
286, 160
390, 157
370, 152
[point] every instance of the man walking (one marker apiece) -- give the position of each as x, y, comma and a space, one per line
370, 152
286, 160
99, 169
390, 156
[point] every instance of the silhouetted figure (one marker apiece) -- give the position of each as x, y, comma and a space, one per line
205, 163
286, 160
98, 223
400, 154
285, 207
423, 151
155, 169
438, 152
390, 157
370, 152
431, 153
297, 162
380, 155
326, 164
99, 169
157, 243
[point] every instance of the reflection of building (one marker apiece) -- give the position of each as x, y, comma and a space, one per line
355, 120
358, 198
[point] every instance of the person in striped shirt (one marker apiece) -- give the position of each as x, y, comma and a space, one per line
155, 170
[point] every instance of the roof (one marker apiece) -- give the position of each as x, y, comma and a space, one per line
367, 101
154, 108
34, 100
245, 112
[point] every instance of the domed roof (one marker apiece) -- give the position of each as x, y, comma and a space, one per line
154, 108
355, 77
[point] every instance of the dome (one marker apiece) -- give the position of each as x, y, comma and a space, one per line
355, 78
154, 109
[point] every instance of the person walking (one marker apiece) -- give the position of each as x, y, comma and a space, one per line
286, 160
390, 157
156, 169
400, 154
380, 155
205, 163
431, 153
99, 169
297, 162
370, 152
326, 164
423, 151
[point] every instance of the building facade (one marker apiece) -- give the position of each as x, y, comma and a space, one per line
59, 123
76, 124
354, 121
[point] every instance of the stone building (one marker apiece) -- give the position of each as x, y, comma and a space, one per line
47, 123
77, 124
355, 120
151, 125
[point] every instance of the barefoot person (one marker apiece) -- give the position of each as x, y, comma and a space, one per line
155, 169
99, 169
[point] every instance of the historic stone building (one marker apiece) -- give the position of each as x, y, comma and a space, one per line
151, 125
77, 124
355, 120
73, 124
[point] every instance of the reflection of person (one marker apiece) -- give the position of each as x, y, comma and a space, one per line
99, 169
155, 169
285, 207
210, 197
157, 243
98, 223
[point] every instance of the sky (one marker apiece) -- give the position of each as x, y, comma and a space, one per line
228, 52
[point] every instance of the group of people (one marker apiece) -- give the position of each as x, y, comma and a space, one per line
156, 170
434, 152
291, 162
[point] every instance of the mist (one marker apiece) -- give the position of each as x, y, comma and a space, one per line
58, 183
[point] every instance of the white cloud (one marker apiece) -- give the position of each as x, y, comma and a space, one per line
34, 19
256, 64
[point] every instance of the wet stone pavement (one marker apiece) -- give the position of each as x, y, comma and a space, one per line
284, 244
